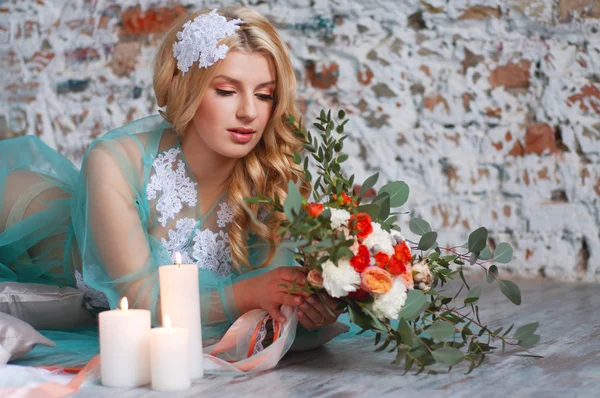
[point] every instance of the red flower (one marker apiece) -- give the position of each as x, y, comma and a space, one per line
396, 266
314, 209
362, 260
402, 252
359, 295
381, 259
361, 222
344, 199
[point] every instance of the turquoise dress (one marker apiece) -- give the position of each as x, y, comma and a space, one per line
105, 229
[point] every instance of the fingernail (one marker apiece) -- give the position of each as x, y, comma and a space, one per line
298, 300
282, 320
300, 314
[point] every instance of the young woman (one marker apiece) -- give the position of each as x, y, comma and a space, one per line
173, 182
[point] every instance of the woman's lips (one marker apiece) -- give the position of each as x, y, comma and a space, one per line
241, 135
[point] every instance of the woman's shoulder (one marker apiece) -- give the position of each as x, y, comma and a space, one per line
133, 141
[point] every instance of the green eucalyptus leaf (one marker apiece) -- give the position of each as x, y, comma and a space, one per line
342, 158
473, 258
440, 330
526, 331
372, 209
427, 241
448, 356
510, 290
416, 302
293, 244
486, 253
341, 114
492, 273
293, 201
478, 239
405, 332
359, 318
384, 212
529, 342
503, 253
475, 292
418, 226
368, 184
398, 191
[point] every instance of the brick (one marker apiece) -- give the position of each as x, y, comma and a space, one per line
153, 20
365, 77
326, 78
540, 139
568, 10
124, 58
588, 99
480, 12
511, 75
431, 102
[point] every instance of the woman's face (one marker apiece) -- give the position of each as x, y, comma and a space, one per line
236, 106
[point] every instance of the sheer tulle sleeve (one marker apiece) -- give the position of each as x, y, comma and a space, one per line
119, 257
114, 226
218, 299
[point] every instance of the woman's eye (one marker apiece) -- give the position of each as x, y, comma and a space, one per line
224, 92
265, 97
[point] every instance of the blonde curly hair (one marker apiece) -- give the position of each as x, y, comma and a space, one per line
267, 165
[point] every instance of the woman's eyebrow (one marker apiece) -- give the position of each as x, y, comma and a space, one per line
239, 83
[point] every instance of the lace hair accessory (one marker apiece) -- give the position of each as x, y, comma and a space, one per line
198, 41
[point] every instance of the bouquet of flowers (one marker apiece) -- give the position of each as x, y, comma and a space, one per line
354, 251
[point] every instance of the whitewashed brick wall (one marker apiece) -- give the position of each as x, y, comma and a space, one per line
488, 109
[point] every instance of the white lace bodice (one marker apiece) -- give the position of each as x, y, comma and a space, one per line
174, 197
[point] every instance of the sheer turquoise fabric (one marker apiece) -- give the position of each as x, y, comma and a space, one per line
107, 227
124, 214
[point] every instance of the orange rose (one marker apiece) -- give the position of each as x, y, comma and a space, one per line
314, 209
402, 252
362, 260
359, 295
381, 259
361, 222
407, 279
396, 266
376, 280
315, 278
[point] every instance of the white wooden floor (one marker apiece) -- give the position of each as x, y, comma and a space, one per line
569, 316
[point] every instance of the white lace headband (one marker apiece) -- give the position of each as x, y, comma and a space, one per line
198, 41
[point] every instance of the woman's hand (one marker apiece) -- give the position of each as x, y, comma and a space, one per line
313, 314
271, 290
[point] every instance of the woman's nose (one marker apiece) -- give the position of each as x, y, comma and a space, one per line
247, 108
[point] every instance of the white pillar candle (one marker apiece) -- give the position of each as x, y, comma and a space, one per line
124, 349
170, 358
180, 298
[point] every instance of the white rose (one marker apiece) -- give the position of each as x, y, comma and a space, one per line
339, 217
388, 305
340, 279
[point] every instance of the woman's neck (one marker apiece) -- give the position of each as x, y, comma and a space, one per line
211, 170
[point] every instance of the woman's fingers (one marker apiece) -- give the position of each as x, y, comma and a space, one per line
305, 321
314, 313
276, 313
292, 274
287, 299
